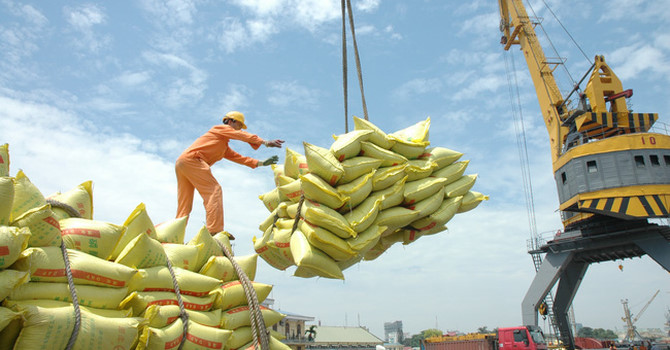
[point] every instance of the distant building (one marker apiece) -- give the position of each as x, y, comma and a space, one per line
340, 337
393, 332
293, 328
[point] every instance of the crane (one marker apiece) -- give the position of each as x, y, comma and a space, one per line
612, 174
631, 330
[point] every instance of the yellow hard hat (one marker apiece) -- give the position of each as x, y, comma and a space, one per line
235, 115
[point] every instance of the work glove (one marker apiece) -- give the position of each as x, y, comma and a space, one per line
269, 161
274, 143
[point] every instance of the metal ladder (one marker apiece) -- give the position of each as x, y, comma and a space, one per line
534, 245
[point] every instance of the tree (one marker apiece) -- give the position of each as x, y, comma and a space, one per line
598, 333
415, 340
483, 330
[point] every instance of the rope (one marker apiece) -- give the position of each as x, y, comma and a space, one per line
297, 215
182, 310
344, 63
358, 59
71, 211
73, 294
344, 68
258, 329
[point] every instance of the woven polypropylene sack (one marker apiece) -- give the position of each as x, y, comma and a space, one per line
142, 252
94, 237
197, 337
91, 296
240, 316
386, 177
378, 137
460, 187
471, 200
295, 164
358, 166
323, 163
388, 158
268, 252
429, 205
441, 156
139, 301
4, 160
46, 265
452, 172
364, 215
232, 294
112, 313
321, 215
45, 230
50, 328
172, 231
6, 199
271, 199
316, 189
417, 133
10, 279
79, 198
391, 196
13, 240
26, 196
159, 279
220, 267
210, 246
409, 150
410, 235
304, 254
160, 316
396, 217
181, 255
357, 190
441, 216
366, 239
291, 190
421, 189
349, 145
419, 169
281, 239
10, 326
328, 242
137, 223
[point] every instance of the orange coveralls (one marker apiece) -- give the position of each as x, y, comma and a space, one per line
193, 171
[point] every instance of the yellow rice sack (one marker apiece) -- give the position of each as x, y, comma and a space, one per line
321, 215
323, 163
282, 180
11, 323
441, 156
409, 150
306, 272
44, 227
471, 200
159, 279
91, 296
391, 196
240, 316
160, 316
197, 337
271, 199
295, 164
50, 328
416, 133
10, 279
396, 217
388, 158
421, 189
210, 247
46, 265
378, 137
419, 169
460, 187
345, 264
366, 239
240, 337
93, 237
376, 251
172, 231
181, 255
316, 189
364, 215
232, 294
356, 190
137, 223
292, 191
452, 172
429, 205
277, 170
411, 235
112, 313
221, 268
139, 301
306, 255
349, 145
274, 343
79, 198
4, 160
281, 212
6, 199
26, 196
142, 252
441, 216
13, 240
281, 239
334, 246
388, 176
358, 166
268, 252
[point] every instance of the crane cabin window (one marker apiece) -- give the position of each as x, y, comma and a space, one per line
564, 177
666, 158
639, 161
591, 166
653, 159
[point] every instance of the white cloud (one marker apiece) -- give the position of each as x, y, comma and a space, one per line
130, 79
171, 12
84, 19
639, 58
418, 86
290, 93
179, 90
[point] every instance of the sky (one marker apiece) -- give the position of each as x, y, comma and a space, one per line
113, 92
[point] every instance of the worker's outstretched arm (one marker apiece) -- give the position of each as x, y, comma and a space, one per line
273, 143
269, 161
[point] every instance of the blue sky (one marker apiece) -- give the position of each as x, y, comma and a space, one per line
113, 92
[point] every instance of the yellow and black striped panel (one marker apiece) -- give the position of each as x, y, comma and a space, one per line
649, 206
640, 122
598, 125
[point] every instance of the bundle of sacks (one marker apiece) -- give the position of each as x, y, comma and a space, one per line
335, 207
126, 291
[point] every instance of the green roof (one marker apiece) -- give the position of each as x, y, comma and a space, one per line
341, 334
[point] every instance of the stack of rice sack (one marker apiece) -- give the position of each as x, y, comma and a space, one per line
124, 287
332, 208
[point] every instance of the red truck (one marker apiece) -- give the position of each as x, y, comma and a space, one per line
509, 338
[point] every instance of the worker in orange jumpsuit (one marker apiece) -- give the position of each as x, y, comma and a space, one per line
193, 167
